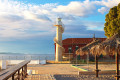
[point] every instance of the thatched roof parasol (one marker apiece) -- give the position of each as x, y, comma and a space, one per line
85, 50
110, 46
106, 47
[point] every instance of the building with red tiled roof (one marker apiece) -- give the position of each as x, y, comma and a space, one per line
72, 44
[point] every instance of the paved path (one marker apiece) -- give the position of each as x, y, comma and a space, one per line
40, 77
102, 67
63, 72
84, 77
46, 72
53, 69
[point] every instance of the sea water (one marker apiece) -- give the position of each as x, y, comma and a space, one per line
16, 56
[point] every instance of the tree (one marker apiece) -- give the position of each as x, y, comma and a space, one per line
112, 25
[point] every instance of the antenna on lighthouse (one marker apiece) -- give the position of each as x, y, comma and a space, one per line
94, 36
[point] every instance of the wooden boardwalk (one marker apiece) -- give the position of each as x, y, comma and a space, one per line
40, 77
17, 72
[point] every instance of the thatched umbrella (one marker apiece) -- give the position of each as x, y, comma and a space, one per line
86, 50
106, 47
109, 46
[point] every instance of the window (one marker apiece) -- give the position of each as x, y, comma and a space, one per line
76, 47
70, 49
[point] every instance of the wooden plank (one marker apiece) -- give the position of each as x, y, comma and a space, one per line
11, 71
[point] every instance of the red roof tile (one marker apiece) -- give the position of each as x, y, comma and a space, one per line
79, 40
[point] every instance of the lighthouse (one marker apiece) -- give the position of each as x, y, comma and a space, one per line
58, 39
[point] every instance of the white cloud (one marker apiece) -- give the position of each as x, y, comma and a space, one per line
77, 8
103, 10
86, 7
107, 5
110, 3
33, 16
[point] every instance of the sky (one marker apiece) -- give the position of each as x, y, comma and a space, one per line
26, 26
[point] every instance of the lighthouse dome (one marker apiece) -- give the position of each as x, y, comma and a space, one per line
58, 21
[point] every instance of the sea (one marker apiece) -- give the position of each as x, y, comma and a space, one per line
15, 56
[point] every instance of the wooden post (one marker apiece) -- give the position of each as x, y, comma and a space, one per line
96, 63
22, 74
13, 77
117, 59
88, 60
117, 66
76, 60
25, 70
18, 74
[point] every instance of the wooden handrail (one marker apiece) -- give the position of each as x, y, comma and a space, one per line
6, 74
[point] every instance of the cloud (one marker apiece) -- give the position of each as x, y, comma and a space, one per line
19, 20
107, 5
81, 31
86, 7
33, 16
110, 3
10, 18
98, 26
77, 8
103, 10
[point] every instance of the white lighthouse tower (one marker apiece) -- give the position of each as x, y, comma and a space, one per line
58, 40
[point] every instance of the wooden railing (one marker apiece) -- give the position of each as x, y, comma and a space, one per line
17, 72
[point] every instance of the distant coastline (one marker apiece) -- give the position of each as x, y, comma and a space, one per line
23, 53
22, 56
